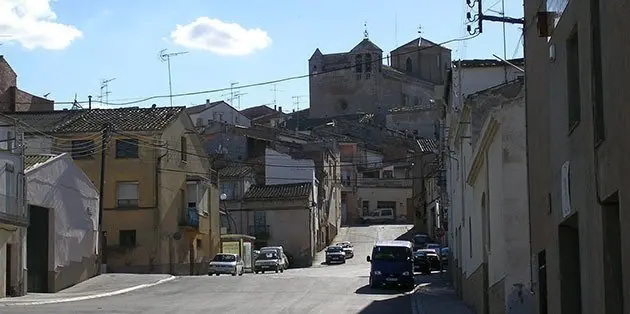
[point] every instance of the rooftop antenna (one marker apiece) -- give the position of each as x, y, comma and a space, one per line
238, 95
166, 57
296, 102
275, 91
366, 35
420, 33
75, 104
232, 93
105, 87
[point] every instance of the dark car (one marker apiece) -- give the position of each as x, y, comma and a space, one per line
392, 264
421, 263
420, 241
444, 256
434, 259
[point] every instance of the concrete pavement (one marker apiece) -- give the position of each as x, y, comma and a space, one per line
436, 296
319, 289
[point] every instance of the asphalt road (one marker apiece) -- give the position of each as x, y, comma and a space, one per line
318, 289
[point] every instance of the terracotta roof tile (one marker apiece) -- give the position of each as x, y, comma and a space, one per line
122, 119
32, 160
235, 171
45, 121
286, 191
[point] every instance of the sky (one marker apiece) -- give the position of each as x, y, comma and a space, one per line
68, 47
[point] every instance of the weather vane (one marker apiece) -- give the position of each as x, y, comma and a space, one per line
366, 35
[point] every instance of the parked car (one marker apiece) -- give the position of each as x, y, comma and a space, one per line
380, 215
347, 248
268, 260
421, 263
444, 256
335, 254
280, 251
225, 263
434, 246
433, 258
420, 241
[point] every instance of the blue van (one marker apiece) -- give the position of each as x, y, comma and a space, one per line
392, 263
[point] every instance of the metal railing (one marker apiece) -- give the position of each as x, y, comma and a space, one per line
393, 182
189, 217
12, 210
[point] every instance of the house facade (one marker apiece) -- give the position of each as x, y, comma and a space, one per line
235, 181
577, 122
14, 218
218, 111
62, 246
282, 214
160, 201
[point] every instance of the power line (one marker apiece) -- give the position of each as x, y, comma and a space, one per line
271, 82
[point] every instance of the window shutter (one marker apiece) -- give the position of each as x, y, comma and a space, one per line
127, 191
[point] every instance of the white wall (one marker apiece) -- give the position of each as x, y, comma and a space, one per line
477, 79
282, 169
495, 208
221, 112
60, 185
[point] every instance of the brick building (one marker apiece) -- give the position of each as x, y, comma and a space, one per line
14, 99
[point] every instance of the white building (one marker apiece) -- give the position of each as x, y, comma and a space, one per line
218, 111
498, 177
63, 236
13, 214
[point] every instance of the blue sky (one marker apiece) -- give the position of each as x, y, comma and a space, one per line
122, 39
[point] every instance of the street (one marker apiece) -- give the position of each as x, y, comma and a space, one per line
318, 289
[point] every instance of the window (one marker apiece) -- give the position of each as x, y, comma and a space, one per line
358, 64
409, 65
388, 174
127, 238
368, 62
198, 244
183, 149
10, 187
573, 80
596, 74
82, 149
127, 148
194, 195
127, 194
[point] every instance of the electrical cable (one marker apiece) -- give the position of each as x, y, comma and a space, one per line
271, 82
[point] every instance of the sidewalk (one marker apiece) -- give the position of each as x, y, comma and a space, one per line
436, 296
96, 287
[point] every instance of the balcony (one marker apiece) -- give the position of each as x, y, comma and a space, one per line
393, 182
189, 218
261, 232
12, 212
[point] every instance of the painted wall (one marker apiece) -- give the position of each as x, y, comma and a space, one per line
221, 112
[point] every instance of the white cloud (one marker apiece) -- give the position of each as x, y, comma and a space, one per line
33, 24
219, 37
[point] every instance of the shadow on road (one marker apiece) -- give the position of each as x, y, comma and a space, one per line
367, 290
407, 236
398, 305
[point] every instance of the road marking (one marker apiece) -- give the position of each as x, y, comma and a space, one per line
94, 296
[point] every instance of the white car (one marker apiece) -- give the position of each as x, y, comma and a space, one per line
335, 254
347, 248
225, 263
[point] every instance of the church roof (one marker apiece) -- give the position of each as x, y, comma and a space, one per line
366, 45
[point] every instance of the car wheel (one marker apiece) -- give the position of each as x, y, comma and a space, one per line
281, 270
209, 274
373, 285
234, 274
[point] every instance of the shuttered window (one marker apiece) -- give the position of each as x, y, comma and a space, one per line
127, 194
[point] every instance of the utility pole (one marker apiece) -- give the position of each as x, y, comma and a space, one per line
479, 17
102, 234
166, 57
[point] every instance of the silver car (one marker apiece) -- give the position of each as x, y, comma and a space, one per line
268, 261
225, 263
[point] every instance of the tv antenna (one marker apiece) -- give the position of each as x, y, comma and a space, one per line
166, 57
104, 96
275, 91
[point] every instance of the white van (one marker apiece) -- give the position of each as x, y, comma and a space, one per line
380, 215
280, 251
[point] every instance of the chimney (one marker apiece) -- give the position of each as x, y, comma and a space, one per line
207, 101
280, 108
274, 108
154, 106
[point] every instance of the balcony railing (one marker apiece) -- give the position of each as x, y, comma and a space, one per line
189, 218
393, 182
12, 211
261, 232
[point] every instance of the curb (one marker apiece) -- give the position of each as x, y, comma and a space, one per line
415, 307
94, 296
